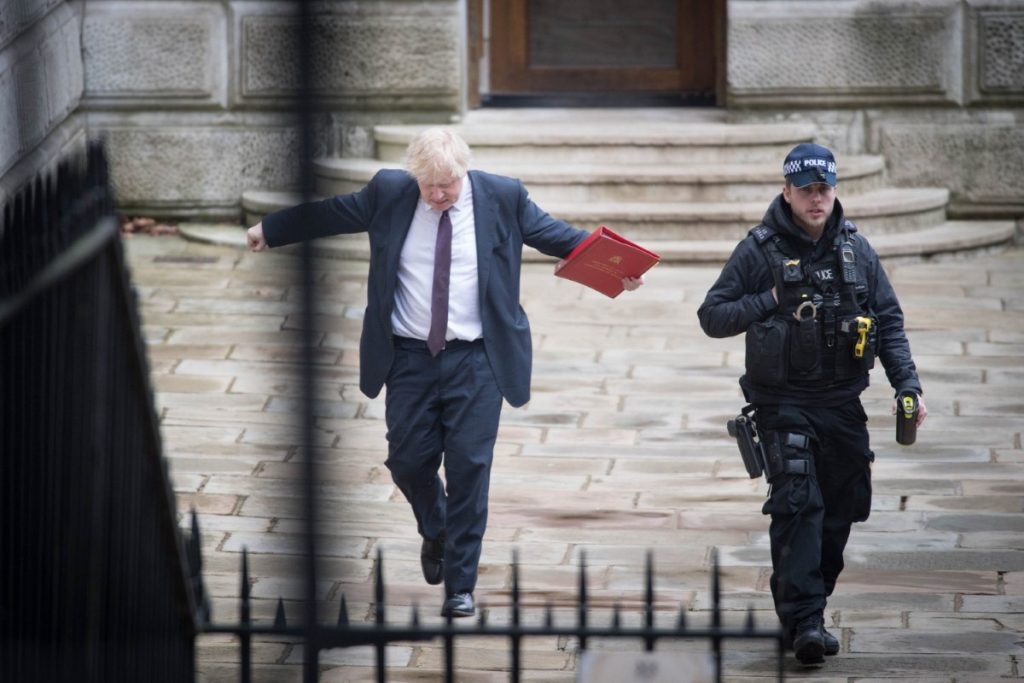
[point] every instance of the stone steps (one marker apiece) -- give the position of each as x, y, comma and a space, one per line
619, 141
608, 182
876, 212
951, 236
685, 185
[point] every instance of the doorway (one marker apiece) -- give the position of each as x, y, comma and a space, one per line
596, 52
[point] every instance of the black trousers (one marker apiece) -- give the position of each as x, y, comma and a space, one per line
444, 409
811, 514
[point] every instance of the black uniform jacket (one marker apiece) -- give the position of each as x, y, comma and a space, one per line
742, 295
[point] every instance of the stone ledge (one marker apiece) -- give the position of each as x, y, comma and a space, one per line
362, 170
952, 236
592, 133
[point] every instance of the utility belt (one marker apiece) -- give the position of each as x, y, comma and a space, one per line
768, 456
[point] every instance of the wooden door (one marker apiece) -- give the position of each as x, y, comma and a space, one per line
606, 47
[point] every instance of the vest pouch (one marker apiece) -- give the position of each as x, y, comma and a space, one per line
856, 346
805, 348
766, 352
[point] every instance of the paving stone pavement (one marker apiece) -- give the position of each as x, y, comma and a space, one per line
622, 449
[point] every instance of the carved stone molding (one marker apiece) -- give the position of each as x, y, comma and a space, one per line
838, 54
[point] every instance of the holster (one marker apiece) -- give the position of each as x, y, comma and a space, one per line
744, 430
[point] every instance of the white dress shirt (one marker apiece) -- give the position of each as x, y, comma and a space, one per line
411, 316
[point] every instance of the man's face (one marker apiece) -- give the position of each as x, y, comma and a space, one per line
811, 204
440, 193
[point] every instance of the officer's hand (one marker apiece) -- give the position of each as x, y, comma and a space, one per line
632, 283
922, 409
254, 237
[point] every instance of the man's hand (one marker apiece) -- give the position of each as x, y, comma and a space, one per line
254, 237
632, 283
922, 410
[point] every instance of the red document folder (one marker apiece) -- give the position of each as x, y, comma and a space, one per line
603, 259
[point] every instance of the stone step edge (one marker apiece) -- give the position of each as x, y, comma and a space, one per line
361, 170
880, 202
952, 236
556, 134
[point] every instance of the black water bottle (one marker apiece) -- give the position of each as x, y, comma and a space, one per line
906, 417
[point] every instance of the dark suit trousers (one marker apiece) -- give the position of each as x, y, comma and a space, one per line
444, 409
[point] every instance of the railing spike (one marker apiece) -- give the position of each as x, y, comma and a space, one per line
583, 581
582, 612
245, 572
197, 546
194, 558
617, 616
649, 599
415, 615
343, 612
716, 592
378, 592
515, 587
245, 620
482, 615
549, 615
751, 624
280, 620
515, 577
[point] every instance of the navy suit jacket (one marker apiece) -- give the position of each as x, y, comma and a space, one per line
505, 218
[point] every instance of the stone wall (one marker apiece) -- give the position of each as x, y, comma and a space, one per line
40, 88
935, 86
192, 95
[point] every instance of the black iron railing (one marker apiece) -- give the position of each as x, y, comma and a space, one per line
380, 633
93, 570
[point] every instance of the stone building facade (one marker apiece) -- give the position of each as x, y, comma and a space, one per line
192, 96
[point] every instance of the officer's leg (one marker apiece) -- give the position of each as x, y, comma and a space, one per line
413, 417
796, 510
845, 480
471, 408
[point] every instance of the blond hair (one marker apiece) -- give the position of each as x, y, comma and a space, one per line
437, 154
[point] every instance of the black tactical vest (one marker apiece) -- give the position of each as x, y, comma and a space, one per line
819, 334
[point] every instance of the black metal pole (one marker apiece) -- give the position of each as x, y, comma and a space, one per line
306, 183
516, 641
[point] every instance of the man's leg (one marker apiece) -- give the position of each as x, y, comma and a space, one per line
797, 512
845, 481
471, 406
413, 417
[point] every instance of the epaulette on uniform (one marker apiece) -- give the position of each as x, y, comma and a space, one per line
762, 233
849, 225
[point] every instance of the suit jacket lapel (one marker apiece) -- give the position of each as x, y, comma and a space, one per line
401, 219
486, 225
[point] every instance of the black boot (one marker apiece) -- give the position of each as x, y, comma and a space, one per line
809, 640
831, 643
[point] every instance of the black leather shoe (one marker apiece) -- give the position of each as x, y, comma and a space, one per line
459, 605
809, 641
432, 559
831, 643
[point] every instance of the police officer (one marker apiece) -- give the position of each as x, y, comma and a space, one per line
817, 308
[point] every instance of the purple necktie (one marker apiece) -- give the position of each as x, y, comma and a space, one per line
439, 293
